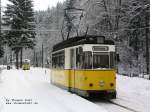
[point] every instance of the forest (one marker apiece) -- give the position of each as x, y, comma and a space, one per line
124, 21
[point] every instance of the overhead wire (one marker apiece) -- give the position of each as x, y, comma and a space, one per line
26, 30
15, 30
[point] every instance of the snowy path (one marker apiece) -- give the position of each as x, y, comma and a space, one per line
33, 87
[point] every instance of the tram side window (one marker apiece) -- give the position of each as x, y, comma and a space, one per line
84, 60
61, 61
58, 60
72, 58
88, 60
79, 58
53, 62
112, 59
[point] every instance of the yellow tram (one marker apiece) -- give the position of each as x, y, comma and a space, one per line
26, 64
85, 65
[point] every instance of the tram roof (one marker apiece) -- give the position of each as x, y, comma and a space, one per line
80, 40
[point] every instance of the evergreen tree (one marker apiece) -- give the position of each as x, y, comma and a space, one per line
19, 18
1, 45
1, 51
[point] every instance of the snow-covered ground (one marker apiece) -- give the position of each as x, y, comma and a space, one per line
31, 91
134, 92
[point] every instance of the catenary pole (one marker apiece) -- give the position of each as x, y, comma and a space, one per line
0, 21
147, 40
42, 56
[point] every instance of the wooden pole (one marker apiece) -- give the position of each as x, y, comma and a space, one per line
147, 41
42, 56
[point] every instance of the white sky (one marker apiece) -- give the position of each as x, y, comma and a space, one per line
39, 4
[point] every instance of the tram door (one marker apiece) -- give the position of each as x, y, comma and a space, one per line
73, 67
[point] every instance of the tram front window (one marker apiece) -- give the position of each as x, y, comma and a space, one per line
100, 60
95, 61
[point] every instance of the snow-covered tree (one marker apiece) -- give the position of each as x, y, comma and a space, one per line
19, 18
119, 20
1, 46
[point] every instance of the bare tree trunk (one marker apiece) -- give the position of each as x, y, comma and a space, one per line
87, 29
36, 59
21, 57
68, 34
108, 16
119, 2
17, 60
62, 35
77, 32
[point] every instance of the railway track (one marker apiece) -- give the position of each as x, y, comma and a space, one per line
113, 106
122, 106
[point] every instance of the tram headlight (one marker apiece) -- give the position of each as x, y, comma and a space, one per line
102, 83
111, 84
